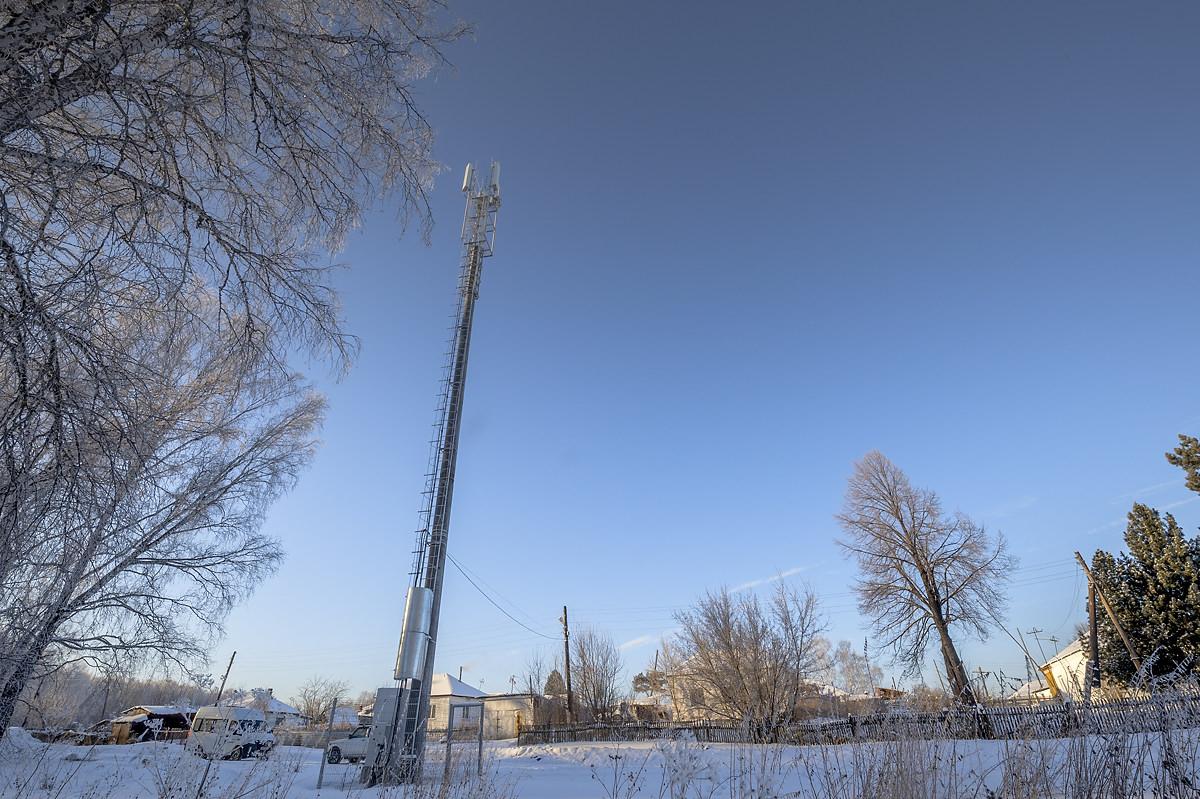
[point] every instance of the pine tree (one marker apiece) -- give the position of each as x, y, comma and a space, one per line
555, 685
1154, 589
1187, 457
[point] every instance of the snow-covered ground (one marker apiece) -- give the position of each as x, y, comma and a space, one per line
1124, 765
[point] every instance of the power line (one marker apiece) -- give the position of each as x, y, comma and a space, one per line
497, 593
495, 604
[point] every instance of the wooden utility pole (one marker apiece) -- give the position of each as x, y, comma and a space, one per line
209, 758
1093, 636
983, 675
1137, 664
567, 666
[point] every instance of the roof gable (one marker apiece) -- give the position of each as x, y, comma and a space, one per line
445, 685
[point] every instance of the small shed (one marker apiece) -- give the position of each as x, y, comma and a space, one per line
152, 723
445, 690
504, 715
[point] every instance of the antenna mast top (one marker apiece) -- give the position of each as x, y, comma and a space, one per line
483, 203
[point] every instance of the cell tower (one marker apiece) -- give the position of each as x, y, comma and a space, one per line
398, 733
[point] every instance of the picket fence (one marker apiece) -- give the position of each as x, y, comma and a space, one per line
1045, 720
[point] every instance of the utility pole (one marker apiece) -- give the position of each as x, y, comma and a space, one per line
983, 680
221, 690
1093, 636
1036, 632
567, 666
1137, 664
1029, 664
399, 739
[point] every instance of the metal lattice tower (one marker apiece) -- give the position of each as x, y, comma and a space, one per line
404, 742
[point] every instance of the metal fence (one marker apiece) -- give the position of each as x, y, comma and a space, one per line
1047, 720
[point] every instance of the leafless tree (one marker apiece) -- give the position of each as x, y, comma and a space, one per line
853, 671
315, 698
364, 699
922, 573
536, 671
157, 536
76, 697
171, 181
746, 662
595, 672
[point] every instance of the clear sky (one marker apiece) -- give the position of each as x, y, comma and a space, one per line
740, 246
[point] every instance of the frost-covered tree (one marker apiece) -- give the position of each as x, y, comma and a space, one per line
923, 574
76, 696
853, 671
172, 179
145, 541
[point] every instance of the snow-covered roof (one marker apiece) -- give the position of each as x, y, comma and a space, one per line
659, 700
130, 718
824, 689
161, 710
1030, 690
1073, 648
273, 705
445, 685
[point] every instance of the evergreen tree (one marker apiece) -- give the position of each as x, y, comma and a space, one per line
555, 685
1154, 588
1187, 457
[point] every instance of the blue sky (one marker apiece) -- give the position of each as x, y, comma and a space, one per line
741, 246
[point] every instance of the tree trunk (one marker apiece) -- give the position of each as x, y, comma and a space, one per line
959, 682
955, 671
18, 676
8, 697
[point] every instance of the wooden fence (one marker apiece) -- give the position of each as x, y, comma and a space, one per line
1046, 720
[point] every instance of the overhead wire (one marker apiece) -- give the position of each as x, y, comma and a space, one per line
494, 603
463, 567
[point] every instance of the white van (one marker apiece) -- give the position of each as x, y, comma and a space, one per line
229, 733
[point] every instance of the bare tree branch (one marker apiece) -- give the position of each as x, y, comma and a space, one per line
921, 572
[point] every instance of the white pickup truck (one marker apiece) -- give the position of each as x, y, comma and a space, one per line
353, 748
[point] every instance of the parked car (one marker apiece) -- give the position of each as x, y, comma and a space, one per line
230, 733
353, 748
